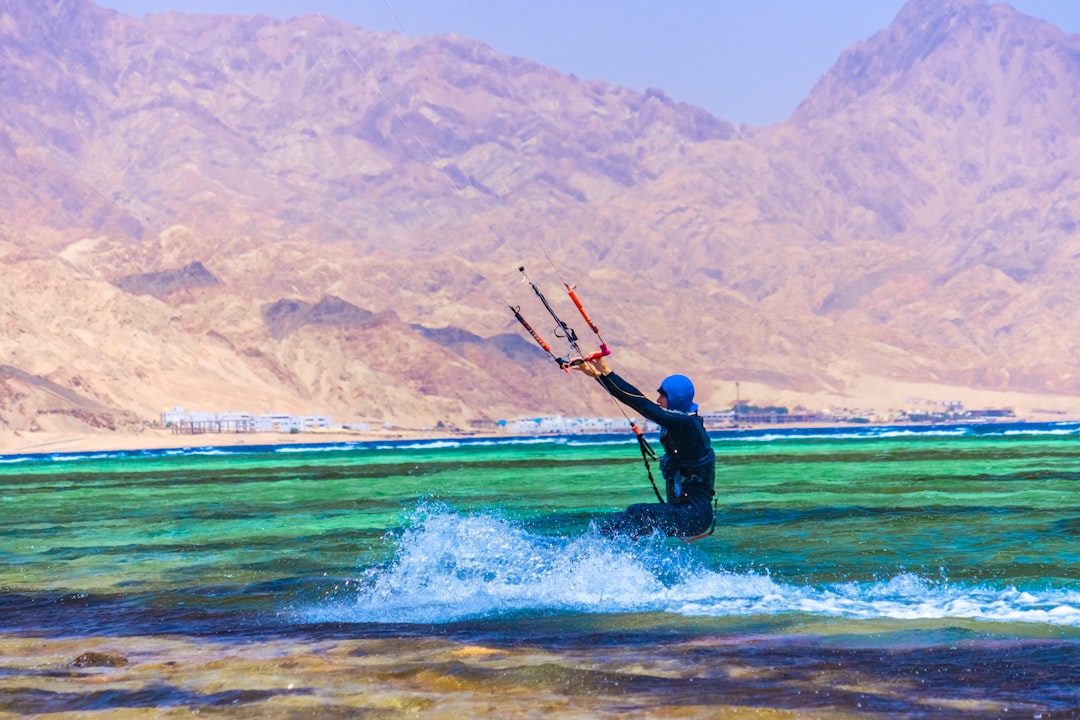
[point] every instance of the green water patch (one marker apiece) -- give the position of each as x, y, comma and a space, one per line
807, 511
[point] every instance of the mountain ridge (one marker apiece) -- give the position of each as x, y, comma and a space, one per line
909, 228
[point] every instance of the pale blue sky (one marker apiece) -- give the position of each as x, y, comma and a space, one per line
743, 60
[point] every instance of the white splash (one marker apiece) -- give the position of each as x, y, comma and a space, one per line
449, 566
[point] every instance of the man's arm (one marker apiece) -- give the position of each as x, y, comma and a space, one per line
629, 395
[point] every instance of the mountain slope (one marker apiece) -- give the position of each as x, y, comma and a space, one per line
356, 204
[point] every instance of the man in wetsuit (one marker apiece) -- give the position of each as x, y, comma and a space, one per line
688, 464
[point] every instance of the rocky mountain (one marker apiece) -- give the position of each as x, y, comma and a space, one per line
251, 214
166, 282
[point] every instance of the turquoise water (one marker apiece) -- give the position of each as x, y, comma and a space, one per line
959, 545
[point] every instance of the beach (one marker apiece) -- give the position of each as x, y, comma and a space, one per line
16, 442
150, 437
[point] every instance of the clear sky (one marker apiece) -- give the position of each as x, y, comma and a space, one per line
747, 61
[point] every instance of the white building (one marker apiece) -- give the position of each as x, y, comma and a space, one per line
559, 425
201, 422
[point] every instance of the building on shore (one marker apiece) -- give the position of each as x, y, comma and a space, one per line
559, 425
194, 422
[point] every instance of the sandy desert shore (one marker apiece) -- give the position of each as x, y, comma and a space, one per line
22, 442
16, 442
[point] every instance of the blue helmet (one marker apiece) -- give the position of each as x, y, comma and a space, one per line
679, 392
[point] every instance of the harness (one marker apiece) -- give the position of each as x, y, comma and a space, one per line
680, 481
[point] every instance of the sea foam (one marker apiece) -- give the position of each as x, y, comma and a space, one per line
449, 566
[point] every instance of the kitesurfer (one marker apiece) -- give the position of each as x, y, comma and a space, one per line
688, 464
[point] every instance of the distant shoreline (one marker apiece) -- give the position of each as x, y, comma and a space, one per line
41, 443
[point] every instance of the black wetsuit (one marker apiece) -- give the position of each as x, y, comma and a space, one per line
688, 466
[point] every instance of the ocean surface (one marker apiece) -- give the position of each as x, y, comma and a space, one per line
929, 572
